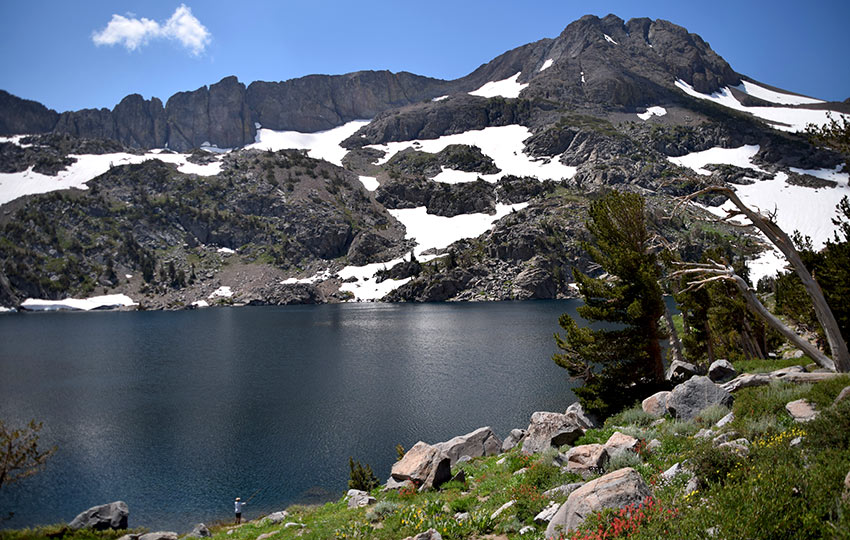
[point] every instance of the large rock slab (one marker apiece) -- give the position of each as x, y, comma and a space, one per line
514, 438
586, 458
424, 465
801, 410
106, 516
583, 419
618, 442
481, 442
614, 490
689, 398
656, 404
359, 499
549, 429
721, 371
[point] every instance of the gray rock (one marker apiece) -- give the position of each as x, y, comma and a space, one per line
689, 398
656, 404
277, 517
586, 458
673, 472
392, 483
583, 419
528, 529
461, 516
747, 380
725, 420
619, 442
721, 371
499, 510
107, 516
200, 531
704, 433
268, 535
292, 525
653, 445
844, 394
546, 515
614, 490
796, 442
680, 371
513, 439
359, 499
738, 446
549, 429
430, 534
159, 535
724, 437
481, 442
424, 465
801, 410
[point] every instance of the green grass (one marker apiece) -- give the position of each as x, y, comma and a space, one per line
767, 365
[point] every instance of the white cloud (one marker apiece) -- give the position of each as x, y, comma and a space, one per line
133, 32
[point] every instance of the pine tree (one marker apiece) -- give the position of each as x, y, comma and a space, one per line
617, 366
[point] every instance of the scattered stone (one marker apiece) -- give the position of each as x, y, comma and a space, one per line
501, 509
566, 489
680, 371
653, 445
738, 446
614, 490
460, 476
520, 471
514, 438
586, 458
792, 354
526, 530
725, 420
461, 516
501, 461
721, 371
424, 465
359, 499
549, 429
796, 442
844, 394
583, 419
724, 437
546, 515
268, 535
698, 393
291, 524
673, 472
200, 531
656, 404
846, 495
801, 410
481, 442
159, 535
430, 534
277, 517
704, 433
658, 422
106, 516
619, 442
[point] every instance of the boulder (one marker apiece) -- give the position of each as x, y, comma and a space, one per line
583, 419
689, 398
619, 442
514, 438
656, 404
724, 437
740, 447
673, 472
549, 429
481, 442
801, 410
680, 371
721, 371
586, 458
159, 535
359, 499
277, 517
614, 490
653, 445
392, 483
424, 465
200, 531
106, 516
430, 534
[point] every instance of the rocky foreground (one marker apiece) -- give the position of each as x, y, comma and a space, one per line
726, 455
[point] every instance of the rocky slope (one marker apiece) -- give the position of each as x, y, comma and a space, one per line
531, 137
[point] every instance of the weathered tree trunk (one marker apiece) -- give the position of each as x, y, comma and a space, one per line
837, 345
709, 343
675, 343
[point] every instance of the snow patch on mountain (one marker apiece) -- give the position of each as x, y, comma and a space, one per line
547, 64
79, 304
320, 145
503, 144
440, 98
740, 157
652, 111
506, 88
782, 118
609, 39
369, 182
87, 167
223, 291
773, 96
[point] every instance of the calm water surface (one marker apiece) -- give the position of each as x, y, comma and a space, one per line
177, 413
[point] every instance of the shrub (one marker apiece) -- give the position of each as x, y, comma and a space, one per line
824, 393
361, 476
463, 504
622, 459
830, 429
529, 501
635, 416
711, 415
711, 464
381, 510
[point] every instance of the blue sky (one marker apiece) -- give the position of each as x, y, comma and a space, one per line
49, 50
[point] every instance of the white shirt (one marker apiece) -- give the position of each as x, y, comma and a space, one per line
238, 505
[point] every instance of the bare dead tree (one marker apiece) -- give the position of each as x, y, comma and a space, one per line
715, 271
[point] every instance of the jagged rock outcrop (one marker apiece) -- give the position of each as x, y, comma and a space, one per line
106, 516
23, 116
424, 465
481, 442
548, 429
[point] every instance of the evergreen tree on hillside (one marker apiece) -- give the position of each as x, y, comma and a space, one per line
617, 366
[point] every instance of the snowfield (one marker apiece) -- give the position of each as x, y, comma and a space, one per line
319, 145
773, 96
506, 88
87, 167
79, 304
503, 144
797, 208
652, 111
223, 291
369, 182
782, 118
547, 64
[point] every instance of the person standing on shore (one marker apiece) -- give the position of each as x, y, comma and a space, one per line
238, 508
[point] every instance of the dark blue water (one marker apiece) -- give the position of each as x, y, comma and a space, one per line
177, 413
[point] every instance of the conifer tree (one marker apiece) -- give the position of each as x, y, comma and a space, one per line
617, 366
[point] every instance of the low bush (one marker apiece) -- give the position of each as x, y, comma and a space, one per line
711, 415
